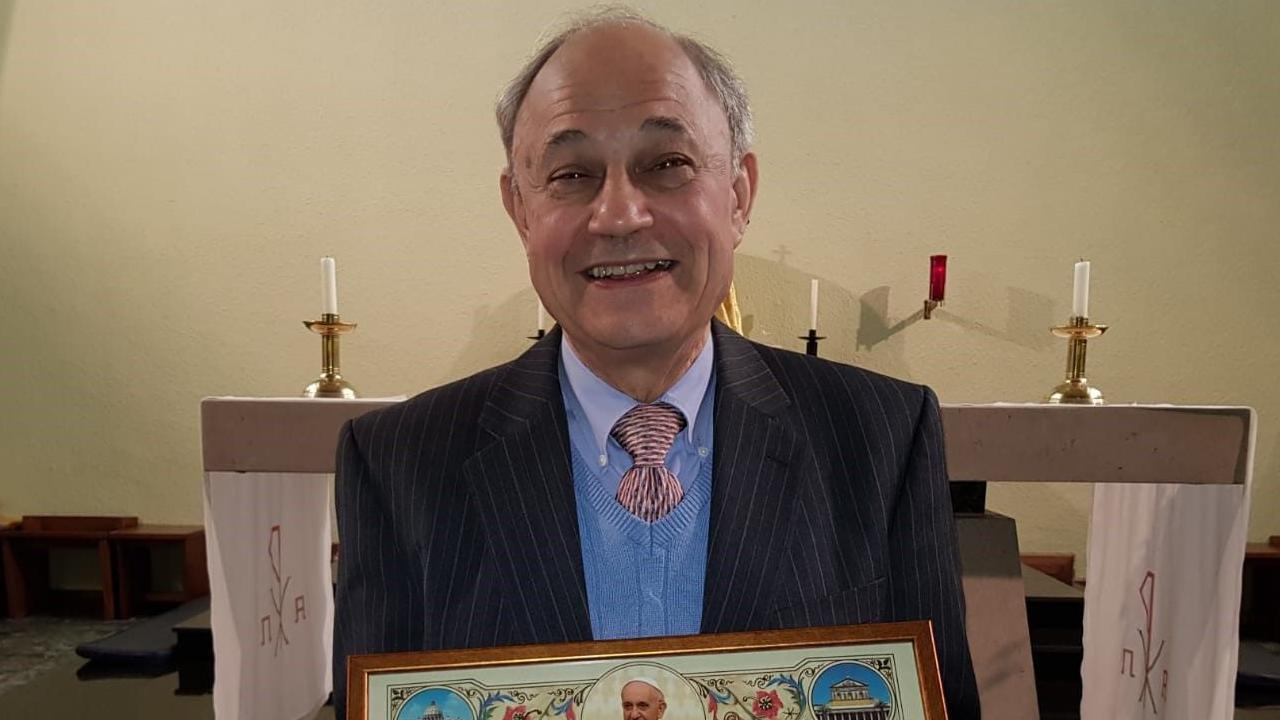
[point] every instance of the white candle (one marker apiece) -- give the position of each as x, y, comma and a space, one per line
329, 285
542, 315
1080, 296
813, 304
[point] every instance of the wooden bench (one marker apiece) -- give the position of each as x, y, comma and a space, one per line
25, 552
125, 566
132, 548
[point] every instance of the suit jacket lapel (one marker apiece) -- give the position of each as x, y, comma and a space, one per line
759, 461
523, 488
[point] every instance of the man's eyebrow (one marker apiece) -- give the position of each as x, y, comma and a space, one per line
660, 123
664, 123
564, 137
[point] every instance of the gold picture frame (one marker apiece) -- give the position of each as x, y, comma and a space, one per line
853, 672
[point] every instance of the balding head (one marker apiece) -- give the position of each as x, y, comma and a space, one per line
609, 69
714, 70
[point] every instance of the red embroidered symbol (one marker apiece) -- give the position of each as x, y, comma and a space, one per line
272, 626
1147, 593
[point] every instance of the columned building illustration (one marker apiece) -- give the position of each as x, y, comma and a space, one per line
851, 700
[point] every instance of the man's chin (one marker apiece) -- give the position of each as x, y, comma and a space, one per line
628, 337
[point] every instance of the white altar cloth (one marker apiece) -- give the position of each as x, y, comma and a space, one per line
271, 593
1162, 599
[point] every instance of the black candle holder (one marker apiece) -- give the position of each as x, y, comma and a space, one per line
541, 334
811, 342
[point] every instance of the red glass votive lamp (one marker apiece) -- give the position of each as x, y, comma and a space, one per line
937, 278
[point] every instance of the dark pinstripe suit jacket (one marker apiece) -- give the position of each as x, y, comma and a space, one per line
830, 505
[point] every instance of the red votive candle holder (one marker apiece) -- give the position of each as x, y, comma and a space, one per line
937, 277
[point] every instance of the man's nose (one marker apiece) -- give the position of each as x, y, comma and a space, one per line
621, 208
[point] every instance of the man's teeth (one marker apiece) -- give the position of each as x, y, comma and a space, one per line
608, 271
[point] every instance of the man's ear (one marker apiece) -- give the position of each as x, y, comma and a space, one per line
514, 203
744, 194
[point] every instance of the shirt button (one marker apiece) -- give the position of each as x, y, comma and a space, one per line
702, 452
604, 460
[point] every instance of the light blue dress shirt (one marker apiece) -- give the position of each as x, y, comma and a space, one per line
594, 406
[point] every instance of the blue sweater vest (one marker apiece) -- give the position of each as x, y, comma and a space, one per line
643, 579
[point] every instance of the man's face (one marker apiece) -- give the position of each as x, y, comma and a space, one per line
626, 198
640, 701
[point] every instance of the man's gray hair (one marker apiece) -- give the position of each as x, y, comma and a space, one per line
714, 68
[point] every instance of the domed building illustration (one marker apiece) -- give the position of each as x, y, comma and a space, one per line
434, 712
851, 700
434, 703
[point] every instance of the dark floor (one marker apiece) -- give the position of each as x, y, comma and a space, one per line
33, 644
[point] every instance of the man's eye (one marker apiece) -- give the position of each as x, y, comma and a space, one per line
669, 163
568, 176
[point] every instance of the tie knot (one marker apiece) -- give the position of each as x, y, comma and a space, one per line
647, 430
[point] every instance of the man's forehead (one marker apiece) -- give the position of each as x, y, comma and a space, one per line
654, 126
629, 77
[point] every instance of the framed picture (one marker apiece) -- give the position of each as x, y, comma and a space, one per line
854, 672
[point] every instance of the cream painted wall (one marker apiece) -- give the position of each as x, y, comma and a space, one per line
171, 171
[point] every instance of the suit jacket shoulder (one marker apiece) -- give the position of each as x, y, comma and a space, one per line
846, 409
389, 434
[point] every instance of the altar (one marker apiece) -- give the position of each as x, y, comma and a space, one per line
268, 493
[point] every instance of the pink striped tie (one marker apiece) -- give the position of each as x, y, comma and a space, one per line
649, 490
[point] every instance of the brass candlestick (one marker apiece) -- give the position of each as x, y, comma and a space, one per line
1076, 389
330, 383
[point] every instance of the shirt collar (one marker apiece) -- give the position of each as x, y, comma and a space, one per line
603, 404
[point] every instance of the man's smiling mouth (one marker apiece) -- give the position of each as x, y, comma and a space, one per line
629, 271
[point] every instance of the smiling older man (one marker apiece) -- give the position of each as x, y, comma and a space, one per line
642, 470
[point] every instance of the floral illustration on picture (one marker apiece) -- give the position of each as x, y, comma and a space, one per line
864, 688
